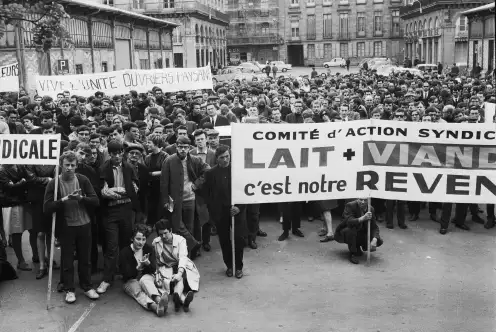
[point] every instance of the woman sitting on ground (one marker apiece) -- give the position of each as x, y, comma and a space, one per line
174, 268
137, 265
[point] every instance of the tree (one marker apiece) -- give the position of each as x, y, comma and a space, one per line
46, 18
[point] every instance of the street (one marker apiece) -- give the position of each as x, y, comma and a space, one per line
418, 280
297, 71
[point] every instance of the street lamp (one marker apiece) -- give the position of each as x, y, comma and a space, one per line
420, 5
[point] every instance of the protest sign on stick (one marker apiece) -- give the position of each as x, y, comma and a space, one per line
9, 78
34, 150
122, 81
390, 160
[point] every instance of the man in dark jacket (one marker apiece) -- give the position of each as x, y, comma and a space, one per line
353, 229
74, 210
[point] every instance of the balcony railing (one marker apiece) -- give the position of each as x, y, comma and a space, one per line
461, 34
311, 36
164, 7
253, 40
253, 14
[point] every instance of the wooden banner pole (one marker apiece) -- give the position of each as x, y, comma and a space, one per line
52, 240
232, 244
368, 232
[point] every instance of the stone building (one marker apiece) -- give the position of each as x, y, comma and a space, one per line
481, 46
104, 39
200, 37
255, 30
436, 31
315, 31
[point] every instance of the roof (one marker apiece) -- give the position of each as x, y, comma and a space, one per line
478, 9
118, 11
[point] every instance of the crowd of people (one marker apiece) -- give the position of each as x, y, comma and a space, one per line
152, 164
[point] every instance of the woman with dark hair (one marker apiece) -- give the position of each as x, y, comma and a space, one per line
174, 268
137, 264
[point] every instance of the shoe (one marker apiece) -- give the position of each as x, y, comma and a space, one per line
478, 220
252, 244
353, 259
103, 287
41, 273
414, 217
60, 287
322, 232
24, 266
189, 298
490, 223
70, 297
177, 302
213, 231
390, 226
162, 305
261, 233
433, 217
403, 226
327, 238
194, 252
283, 236
298, 233
206, 247
239, 274
443, 231
463, 226
229, 272
92, 294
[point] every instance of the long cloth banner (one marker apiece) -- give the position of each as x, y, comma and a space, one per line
29, 149
122, 81
9, 78
370, 158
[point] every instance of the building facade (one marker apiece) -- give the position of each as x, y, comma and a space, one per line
436, 31
103, 39
481, 47
255, 30
315, 31
200, 38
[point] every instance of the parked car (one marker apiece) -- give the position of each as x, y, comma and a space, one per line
233, 73
335, 63
281, 66
248, 67
374, 65
428, 67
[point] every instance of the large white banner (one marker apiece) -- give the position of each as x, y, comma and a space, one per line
29, 149
9, 78
122, 81
370, 158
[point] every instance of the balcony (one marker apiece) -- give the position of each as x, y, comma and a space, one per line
270, 39
461, 35
311, 36
169, 9
253, 15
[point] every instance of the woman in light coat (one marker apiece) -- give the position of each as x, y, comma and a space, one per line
174, 268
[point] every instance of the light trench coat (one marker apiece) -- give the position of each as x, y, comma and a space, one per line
165, 273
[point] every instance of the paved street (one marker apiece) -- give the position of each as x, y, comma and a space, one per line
297, 71
419, 280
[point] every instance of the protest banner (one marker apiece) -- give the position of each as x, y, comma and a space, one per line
29, 149
489, 112
9, 78
122, 81
430, 162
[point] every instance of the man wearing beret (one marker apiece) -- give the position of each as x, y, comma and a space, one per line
353, 229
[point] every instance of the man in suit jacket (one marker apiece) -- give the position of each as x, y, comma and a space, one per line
203, 224
218, 187
353, 229
181, 179
213, 117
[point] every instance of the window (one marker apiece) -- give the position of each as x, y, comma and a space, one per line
343, 50
139, 38
295, 2
166, 41
144, 64
377, 49
360, 49
79, 69
311, 29
242, 29
327, 25
377, 23
176, 36
264, 28
138, 4
310, 2
295, 32
327, 51
343, 2
311, 51
153, 40
463, 23
78, 29
361, 2
378, 1
104, 67
395, 29
168, 3
360, 24
343, 25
